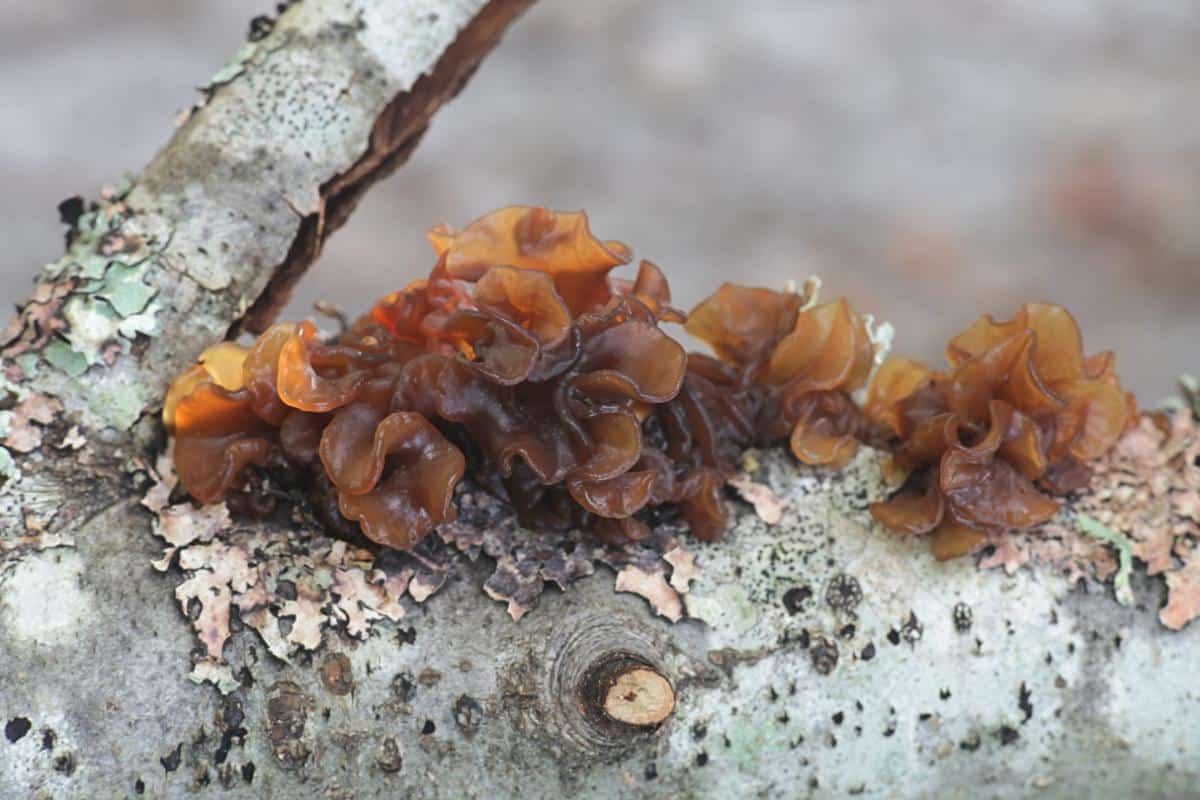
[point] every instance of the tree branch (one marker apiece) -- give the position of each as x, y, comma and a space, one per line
396, 133
217, 228
817, 652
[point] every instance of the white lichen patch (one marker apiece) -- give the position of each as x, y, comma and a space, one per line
759, 564
865, 657
42, 600
431, 26
845, 631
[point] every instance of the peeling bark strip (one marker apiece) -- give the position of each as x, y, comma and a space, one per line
395, 135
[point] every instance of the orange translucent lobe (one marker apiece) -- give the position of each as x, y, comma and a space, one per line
527, 237
260, 372
216, 437
952, 539
894, 381
302, 386
622, 496
827, 349
911, 512
528, 298
742, 324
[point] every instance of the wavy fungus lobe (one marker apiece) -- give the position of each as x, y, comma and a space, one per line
987, 443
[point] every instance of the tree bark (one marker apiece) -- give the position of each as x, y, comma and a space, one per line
818, 654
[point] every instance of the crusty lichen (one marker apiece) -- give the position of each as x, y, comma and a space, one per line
110, 304
91, 306
292, 584
838, 669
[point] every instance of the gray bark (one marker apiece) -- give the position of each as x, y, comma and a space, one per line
782, 688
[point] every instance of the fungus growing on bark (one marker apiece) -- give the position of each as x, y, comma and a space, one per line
782, 370
1017, 418
518, 357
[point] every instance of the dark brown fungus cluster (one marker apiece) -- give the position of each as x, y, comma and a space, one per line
782, 371
520, 358
1017, 418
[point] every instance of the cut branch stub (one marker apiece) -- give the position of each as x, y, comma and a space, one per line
639, 696
584, 661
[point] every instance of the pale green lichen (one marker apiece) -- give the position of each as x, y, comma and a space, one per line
1124, 548
28, 362
220, 675
125, 291
144, 323
91, 324
59, 355
726, 606
89, 267
112, 303
119, 405
116, 307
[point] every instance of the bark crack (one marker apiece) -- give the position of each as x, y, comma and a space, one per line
396, 134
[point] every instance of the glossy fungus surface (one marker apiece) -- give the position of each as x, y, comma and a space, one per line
1013, 421
521, 360
783, 370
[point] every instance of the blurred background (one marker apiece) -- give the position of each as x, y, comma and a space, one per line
930, 159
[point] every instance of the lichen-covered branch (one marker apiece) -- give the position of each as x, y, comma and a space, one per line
235, 207
819, 654
212, 233
810, 651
